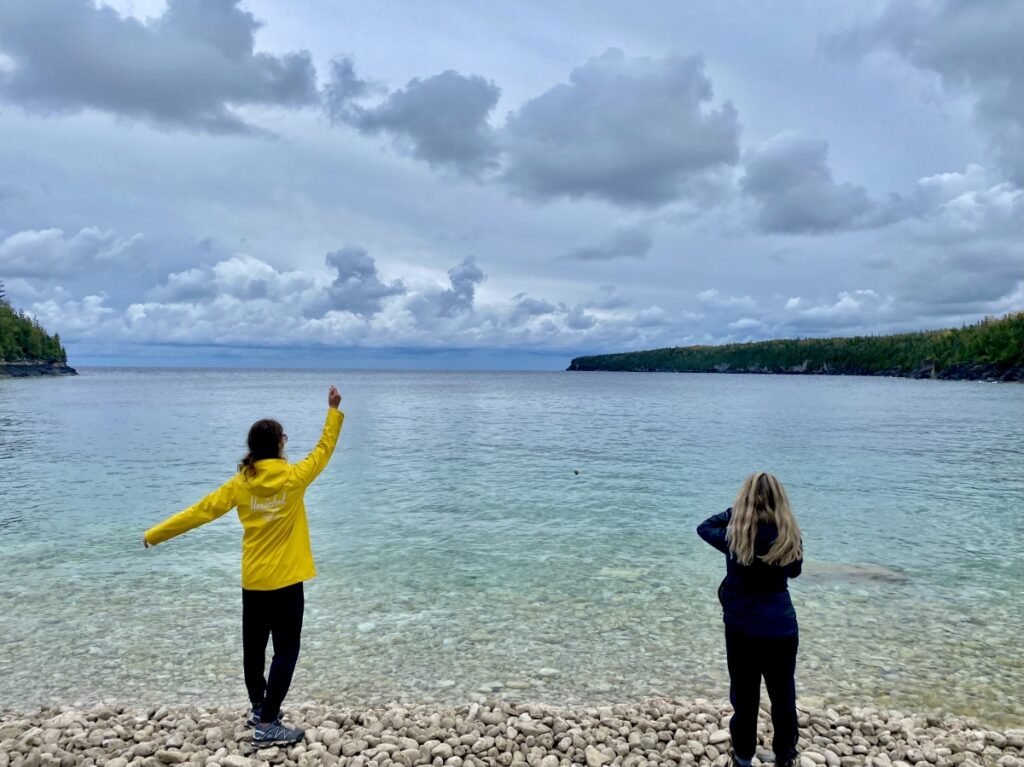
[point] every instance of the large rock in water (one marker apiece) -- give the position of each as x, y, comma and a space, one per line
843, 570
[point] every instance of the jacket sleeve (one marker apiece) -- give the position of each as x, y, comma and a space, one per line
793, 569
216, 504
712, 530
306, 470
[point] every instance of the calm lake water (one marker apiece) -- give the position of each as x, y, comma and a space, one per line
460, 556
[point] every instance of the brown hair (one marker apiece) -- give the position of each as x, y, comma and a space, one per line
264, 442
763, 499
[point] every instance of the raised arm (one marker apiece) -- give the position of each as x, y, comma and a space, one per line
309, 467
216, 504
713, 529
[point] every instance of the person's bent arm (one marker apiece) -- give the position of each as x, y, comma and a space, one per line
793, 569
310, 467
216, 504
713, 530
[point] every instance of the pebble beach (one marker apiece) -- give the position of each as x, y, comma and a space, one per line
652, 733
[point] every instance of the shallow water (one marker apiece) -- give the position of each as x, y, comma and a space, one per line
459, 555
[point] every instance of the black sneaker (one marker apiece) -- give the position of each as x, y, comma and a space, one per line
254, 716
275, 734
738, 762
790, 760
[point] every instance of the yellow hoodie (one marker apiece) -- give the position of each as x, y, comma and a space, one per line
275, 544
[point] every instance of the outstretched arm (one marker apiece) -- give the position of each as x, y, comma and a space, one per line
216, 504
713, 530
309, 467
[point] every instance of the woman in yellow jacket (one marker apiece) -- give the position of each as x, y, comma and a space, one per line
276, 558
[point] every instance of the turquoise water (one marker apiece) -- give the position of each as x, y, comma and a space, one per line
460, 556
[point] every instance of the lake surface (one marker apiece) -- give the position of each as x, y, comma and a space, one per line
460, 556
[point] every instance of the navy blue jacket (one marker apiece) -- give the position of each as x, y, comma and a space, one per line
755, 597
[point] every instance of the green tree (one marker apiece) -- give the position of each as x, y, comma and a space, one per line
23, 338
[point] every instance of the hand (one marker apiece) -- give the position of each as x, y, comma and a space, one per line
333, 398
145, 543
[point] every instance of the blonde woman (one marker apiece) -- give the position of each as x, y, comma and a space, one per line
763, 550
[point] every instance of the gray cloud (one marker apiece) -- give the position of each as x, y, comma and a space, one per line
578, 319
974, 47
609, 297
441, 120
525, 308
633, 131
464, 276
189, 68
357, 288
789, 178
632, 242
343, 89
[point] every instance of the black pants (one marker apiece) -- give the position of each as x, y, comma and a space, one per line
750, 658
266, 614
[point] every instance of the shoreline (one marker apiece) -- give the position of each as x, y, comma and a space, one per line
649, 733
980, 373
35, 369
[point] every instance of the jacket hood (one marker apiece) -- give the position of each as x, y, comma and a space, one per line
271, 475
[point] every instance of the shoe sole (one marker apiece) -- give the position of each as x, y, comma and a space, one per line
280, 742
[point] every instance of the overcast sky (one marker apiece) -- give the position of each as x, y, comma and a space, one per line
456, 184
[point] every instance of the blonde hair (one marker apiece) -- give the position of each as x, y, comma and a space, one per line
763, 499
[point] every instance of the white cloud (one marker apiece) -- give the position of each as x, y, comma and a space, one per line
50, 253
244, 301
711, 298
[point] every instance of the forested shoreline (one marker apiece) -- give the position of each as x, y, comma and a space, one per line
26, 349
992, 349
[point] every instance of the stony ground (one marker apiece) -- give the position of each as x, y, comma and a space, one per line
657, 733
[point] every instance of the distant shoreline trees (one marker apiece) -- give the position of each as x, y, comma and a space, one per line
22, 338
990, 349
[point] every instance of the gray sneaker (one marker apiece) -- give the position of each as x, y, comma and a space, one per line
276, 734
254, 716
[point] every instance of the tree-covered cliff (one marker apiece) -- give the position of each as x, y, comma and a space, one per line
992, 349
23, 339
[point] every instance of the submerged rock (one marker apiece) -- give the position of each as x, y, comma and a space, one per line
844, 570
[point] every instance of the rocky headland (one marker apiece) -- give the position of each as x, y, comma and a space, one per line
654, 733
33, 368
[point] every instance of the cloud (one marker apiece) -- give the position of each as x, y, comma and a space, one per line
464, 276
973, 47
441, 120
241, 277
343, 89
965, 253
847, 305
190, 68
49, 253
357, 288
789, 179
713, 299
610, 297
525, 308
631, 131
746, 323
245, 302
631, 242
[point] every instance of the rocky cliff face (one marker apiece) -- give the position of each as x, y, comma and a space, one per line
29, 369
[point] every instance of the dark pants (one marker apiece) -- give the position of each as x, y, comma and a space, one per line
266, 614
750, 658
